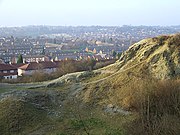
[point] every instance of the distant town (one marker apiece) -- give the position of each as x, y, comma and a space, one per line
41, 43
56, 43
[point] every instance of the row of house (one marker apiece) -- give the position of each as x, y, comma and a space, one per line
59, 56
41, 63
12, 71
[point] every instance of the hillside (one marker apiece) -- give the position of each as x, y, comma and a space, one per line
150, 59
145, 81
161, 55
138, 95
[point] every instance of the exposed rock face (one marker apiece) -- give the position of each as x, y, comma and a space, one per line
160, 54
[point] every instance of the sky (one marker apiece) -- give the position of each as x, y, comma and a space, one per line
89, 12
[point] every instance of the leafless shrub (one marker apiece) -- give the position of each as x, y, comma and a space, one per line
158, 107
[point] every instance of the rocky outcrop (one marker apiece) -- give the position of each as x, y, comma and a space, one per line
161, 55
70, 78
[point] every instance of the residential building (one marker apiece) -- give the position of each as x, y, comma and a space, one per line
8, 71
30, 68
35, 58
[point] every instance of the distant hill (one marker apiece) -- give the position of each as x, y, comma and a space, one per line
134, 31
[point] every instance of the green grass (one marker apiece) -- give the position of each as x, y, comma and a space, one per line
18, 117
6, 88
80, 119
2, 90
89, 125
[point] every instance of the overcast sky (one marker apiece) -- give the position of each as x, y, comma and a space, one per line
89, 12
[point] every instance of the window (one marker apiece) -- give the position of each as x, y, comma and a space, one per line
4, 71
11, 71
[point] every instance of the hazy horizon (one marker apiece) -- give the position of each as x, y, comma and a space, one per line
87, 26
89, 12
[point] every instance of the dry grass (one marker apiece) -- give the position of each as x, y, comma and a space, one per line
158, 106
157, 102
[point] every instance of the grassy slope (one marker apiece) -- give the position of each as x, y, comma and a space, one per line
123, 89
143, 61
20, 117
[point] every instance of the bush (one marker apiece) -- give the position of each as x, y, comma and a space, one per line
158, 107
174, 40
160, 40
104, 63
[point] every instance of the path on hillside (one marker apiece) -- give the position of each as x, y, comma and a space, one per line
77, 87
43, 84
105, 78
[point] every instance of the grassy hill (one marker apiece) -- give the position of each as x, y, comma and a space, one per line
18, 117
137, 95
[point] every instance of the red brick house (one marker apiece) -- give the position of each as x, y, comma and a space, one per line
8, 71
